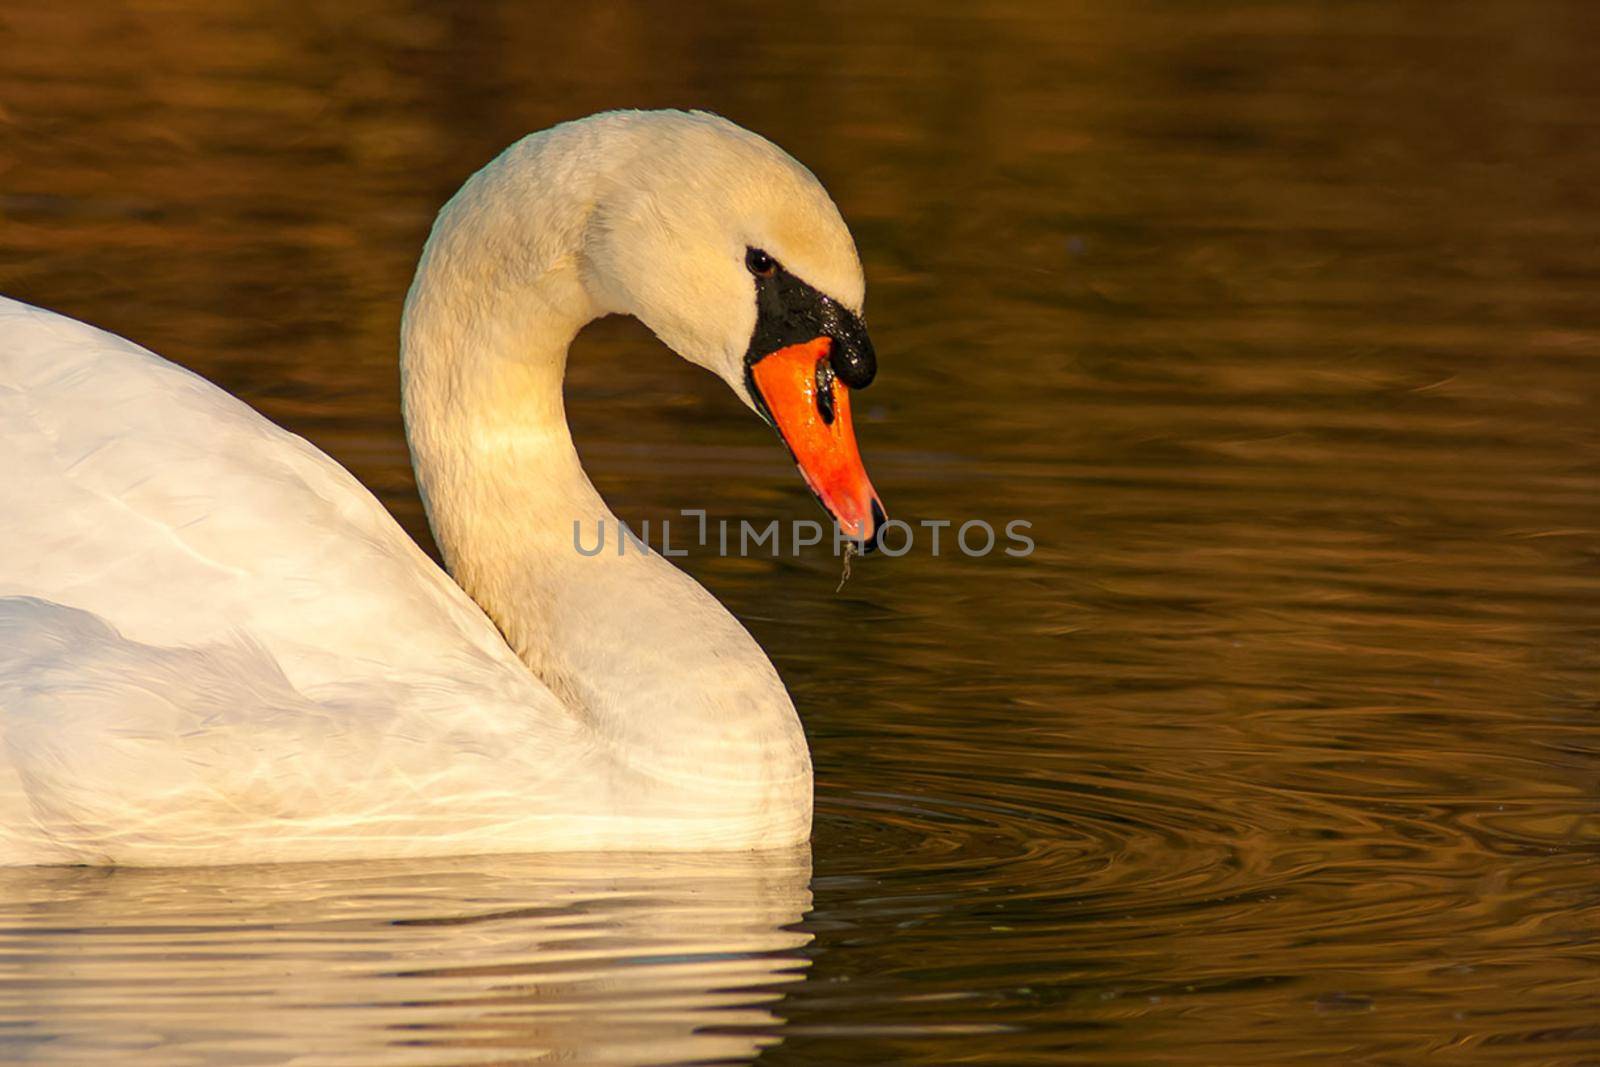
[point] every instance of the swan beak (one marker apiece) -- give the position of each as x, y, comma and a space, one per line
805, 398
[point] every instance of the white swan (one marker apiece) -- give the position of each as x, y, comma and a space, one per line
216, 646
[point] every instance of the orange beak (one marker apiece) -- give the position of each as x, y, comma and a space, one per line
811, 408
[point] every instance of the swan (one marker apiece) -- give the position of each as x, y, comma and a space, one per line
216, 646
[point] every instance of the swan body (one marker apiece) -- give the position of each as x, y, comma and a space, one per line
216, 646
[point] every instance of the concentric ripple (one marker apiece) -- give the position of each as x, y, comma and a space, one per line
1104, 913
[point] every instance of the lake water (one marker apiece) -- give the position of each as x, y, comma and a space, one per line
1277, 320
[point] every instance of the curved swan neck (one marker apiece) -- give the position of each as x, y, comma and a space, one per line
494, 305
496, 301
660, 669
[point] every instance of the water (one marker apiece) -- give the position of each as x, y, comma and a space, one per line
1276, 319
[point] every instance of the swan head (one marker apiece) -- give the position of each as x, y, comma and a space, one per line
734, 255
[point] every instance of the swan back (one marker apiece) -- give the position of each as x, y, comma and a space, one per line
140, 492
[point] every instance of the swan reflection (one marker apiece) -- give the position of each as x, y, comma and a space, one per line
618, 959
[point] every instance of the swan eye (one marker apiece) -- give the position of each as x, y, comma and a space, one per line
760, 264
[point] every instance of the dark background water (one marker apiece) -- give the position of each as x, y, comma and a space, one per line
1276, 318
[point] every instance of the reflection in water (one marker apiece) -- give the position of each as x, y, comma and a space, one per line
588, 959
1276, 317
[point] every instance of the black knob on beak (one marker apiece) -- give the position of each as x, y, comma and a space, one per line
853, 359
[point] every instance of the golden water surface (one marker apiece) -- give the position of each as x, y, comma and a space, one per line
1278, 319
